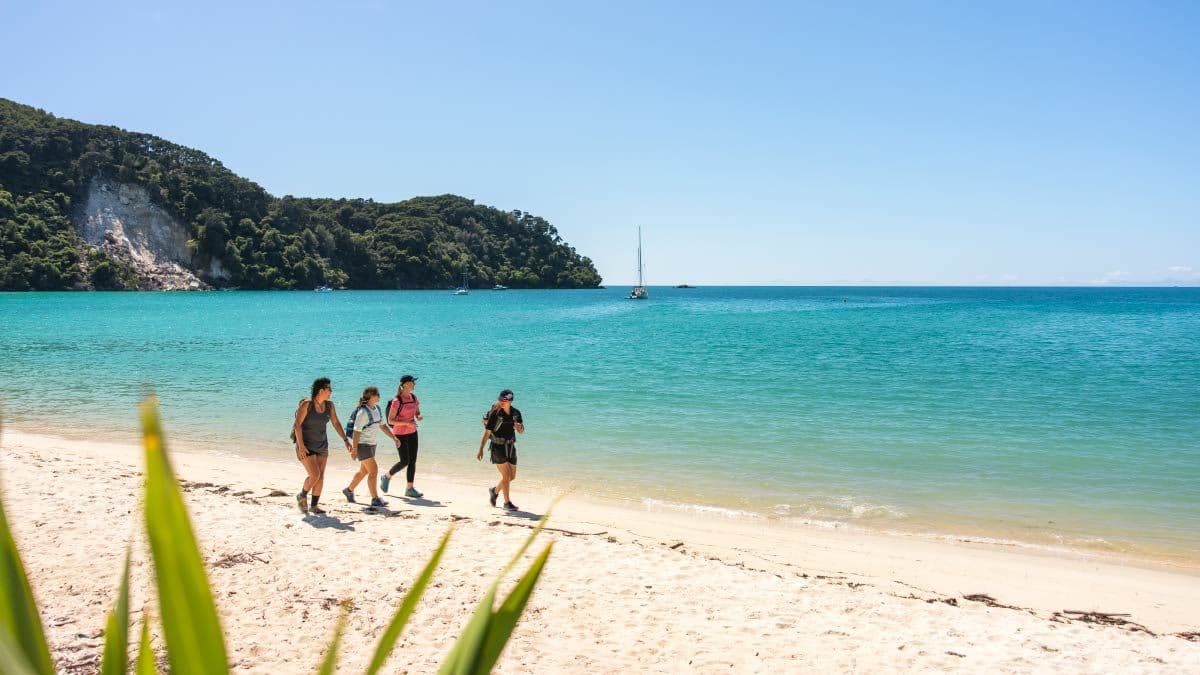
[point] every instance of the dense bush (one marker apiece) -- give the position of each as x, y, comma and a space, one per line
47, 163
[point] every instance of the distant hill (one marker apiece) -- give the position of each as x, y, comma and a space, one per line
85, 206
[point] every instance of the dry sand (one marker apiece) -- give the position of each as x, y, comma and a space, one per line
626, 589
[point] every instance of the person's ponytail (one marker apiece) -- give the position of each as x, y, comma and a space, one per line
367, 394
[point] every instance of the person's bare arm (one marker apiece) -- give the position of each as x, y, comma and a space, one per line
337, 424
486, 434
297, 429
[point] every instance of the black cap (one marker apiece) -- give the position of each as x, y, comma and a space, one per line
506, 395
407, 378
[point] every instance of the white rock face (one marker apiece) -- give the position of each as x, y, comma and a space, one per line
122, 220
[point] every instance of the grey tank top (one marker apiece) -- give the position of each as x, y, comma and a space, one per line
313, 428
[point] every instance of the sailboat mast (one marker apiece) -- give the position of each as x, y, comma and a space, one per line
640, 257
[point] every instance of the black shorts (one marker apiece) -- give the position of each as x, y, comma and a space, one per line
504, 453
365, 451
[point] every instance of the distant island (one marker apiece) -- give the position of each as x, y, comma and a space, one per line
685, 286
85, 206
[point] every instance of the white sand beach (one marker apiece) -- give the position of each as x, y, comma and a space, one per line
626, 589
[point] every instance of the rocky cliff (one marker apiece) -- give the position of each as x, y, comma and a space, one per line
122, 220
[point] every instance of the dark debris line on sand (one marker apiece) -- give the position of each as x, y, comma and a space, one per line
1102, 618
232, 559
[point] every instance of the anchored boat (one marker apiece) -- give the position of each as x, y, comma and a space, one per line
639, 291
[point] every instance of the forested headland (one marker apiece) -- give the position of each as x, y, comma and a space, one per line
240, 236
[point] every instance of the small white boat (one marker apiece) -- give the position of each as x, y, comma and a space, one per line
463, 290
323, 289
499, 287
639, 291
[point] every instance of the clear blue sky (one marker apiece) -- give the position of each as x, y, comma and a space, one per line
761, 143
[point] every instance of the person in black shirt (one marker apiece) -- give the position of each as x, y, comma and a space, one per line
502, 424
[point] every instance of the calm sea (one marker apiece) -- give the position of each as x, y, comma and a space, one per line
1060, 417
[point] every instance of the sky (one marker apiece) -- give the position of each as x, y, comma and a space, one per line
1008, 143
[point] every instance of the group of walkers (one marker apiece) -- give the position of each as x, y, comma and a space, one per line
501, 423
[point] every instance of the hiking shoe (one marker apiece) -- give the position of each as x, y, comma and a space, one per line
377, 502
384, 481
509, 506
412, 492
492, 495
302, 502
317, 510
349, 495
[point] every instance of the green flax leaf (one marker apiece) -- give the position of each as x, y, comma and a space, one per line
12, 657
329, 664
116, 630
388, 641
145, 658
471, 652
193, 635
19, 619
504, 620
466, 651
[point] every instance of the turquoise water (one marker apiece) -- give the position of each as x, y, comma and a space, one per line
1047, 416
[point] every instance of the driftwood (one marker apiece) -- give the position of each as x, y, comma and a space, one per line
1100, 618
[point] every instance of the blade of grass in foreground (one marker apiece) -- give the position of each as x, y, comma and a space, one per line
116, 630
12, 658
480, 640
504, 620
388, 641
19, 618
189, 617
329, 664
145, 659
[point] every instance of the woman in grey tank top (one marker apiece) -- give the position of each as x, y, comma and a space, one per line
312, 441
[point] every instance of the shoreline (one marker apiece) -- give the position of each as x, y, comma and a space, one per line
862, 553
624, 589
932, 527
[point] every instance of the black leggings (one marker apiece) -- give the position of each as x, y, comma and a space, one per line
406, 445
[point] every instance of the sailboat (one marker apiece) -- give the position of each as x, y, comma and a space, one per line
639, 291
462, 290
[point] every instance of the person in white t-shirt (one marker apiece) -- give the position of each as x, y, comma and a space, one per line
368, 421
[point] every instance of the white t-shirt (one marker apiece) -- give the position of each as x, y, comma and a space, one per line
366, 423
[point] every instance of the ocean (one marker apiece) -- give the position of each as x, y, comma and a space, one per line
1047, 417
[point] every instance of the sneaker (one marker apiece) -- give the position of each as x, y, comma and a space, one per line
302, 502
377, 502
317, 510
492, 495
384, 481
349, 495
509, 506
412, 492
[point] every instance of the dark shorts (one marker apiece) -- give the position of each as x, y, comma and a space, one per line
504, 453
365, 451
320, 451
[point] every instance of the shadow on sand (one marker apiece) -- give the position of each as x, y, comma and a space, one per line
522, 515
421, 501
328, 521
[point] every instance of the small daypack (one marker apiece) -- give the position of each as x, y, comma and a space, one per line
354, 415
